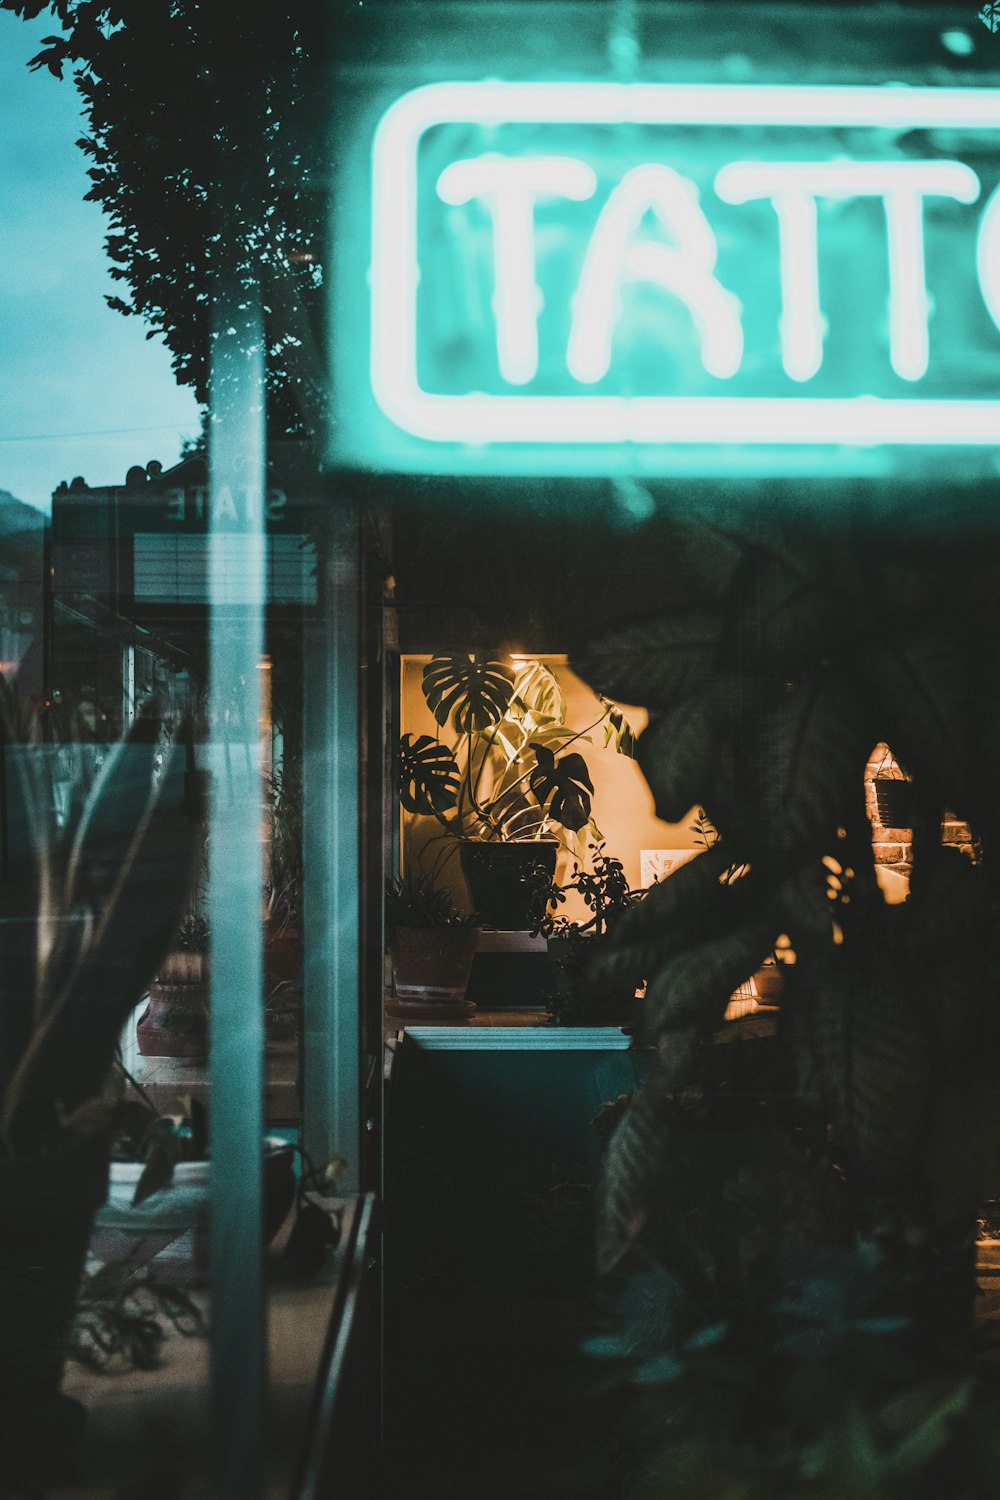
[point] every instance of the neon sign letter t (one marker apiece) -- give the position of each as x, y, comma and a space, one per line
793, 188
510, 185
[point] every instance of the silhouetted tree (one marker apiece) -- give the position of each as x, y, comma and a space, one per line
181, 98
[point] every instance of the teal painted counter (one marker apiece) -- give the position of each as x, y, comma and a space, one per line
540, 1085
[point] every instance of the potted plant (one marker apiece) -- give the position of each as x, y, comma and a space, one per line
507, 787
160, 1180
92, 889
893, 793
573, 944
431, 946
175, 1021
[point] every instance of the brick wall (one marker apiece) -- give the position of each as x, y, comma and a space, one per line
893, 846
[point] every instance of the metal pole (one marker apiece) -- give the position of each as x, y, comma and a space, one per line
332, 848
237, 597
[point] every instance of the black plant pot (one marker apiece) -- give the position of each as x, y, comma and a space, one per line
894, 802
497, 876
574, 999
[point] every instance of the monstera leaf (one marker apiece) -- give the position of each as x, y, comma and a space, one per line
536, 689
566, 781
428, 775
473, 691
618, 729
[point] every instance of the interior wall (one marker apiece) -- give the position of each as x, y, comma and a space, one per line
622, 802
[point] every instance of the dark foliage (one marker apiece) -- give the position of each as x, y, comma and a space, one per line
815, 638
199, 132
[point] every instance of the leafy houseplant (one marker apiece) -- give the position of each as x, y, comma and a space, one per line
508, 787
160, 1177
573, 944
175, 1022
431, 945
90, 898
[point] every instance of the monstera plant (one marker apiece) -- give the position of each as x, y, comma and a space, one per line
508, 781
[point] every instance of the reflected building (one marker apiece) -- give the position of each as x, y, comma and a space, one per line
23, 636
130, 587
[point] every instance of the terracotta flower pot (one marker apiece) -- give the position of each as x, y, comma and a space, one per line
175, 1022
432, 963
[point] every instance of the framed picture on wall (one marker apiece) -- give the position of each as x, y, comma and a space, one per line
657, 864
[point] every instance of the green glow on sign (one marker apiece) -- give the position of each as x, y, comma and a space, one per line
560, 269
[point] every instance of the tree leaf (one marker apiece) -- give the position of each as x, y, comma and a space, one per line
636, 1156
799, 596
873, 1046
811, 744
680, 749
690, 905
920, 682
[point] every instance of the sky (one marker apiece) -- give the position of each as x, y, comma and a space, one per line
82, 391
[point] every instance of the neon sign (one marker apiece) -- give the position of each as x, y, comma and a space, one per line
561, 270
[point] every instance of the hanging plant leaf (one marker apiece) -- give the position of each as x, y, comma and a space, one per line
566, 781
922, 682
809, 740
472, 691
428, 775
637, 1157
693, 905
653, 662
694, 986
618, 728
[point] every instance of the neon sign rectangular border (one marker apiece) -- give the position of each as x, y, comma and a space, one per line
665, 421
